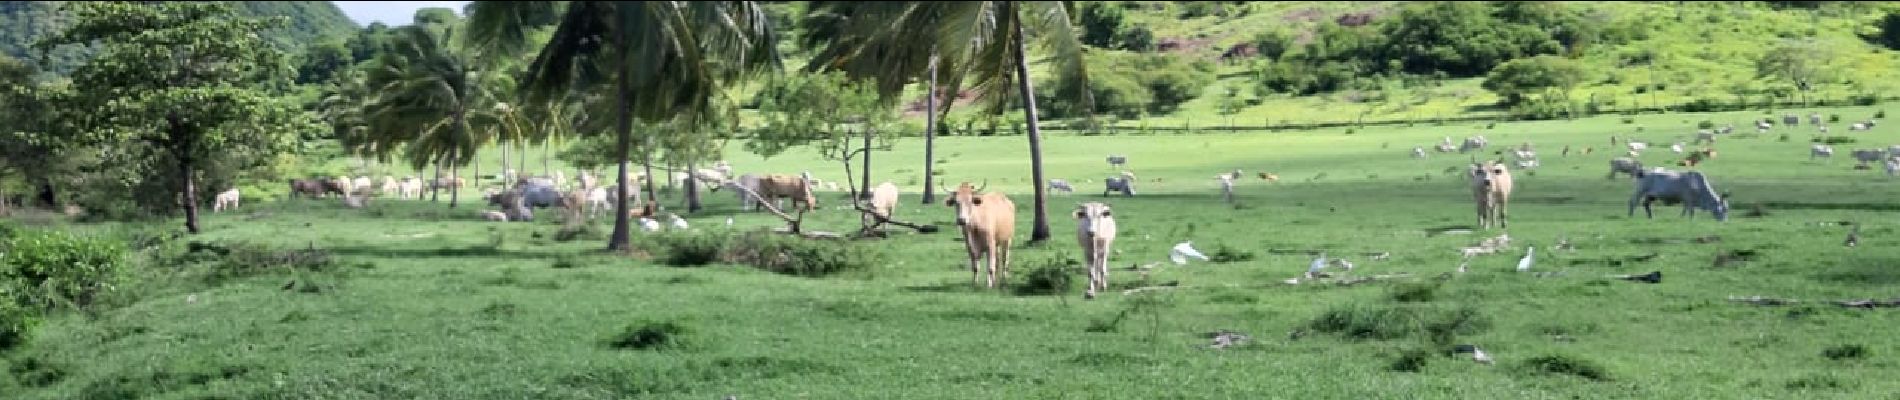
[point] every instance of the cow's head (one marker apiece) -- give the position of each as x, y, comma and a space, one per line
1721, 207
1094, 218
1484, 174
965, 200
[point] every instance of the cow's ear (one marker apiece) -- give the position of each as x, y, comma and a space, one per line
1079, 214
950, 202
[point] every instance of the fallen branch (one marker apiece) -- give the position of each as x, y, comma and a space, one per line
767, 205
1861, 303
1868, 303
1173, 285
1762, 301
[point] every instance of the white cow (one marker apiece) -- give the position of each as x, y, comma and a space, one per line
1821, 150
226, 199
1095, 230
1691, 188
883, 203
362, 185
1060, 185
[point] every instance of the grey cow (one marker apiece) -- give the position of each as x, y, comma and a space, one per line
1125, 185
1691, 188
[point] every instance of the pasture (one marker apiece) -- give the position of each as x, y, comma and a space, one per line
429, 302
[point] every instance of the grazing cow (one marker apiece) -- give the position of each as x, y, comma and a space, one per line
1269, 177
588, 181
1790, 120
1823, 128
1227, 188
883, 204
775, 187
1095, 229
1814, 118
1491, 189
412, 188
1763, 126
1704, 136
1472, 143
307, 187
1725, 129
226, 199
1893, 151
362, 185
1821, 150
747, 181
493, 215
1676, 148
988, 221
1125, 185
1857, 126
594, 200
513, 204
389, 186
455, 182
1060, 185
1627, 166
1636, 146
1697, 157
338, 185
1691, 188
1117, 161
1418, 152
1865, 156
1446, 148
1892, 165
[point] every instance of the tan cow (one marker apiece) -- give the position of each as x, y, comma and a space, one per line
390, 186
1491, 189
225, 200
883, 203
776, 186
988, 222
361, 185
1095, 229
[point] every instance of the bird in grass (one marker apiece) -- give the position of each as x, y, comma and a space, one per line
1480, 356
1853, 237
1524, 264
1462, 265
1184, 250
649, 224
678, 223
1312, 270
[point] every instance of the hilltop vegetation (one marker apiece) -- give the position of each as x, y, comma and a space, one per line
23, 22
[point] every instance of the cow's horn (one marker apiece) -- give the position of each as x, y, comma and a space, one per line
986, 184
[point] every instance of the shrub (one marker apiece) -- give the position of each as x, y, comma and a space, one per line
1628, 120
1880, 114
1226, 254
1705, 124
43, 270
1844, 352
238, 260
1833, 118
1411, 360
1567, 365
1397, 322
649, 335
16, 324
792, 256
1049, 278
692, 250
1414, 292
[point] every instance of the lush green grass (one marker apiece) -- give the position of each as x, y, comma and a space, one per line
432, 303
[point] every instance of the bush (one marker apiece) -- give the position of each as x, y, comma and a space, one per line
1226, 254
239, 260
44, 270
1880, 114
1705, 124
16, 324
1397, 322
1411, 360
1049, 278
649, 335
1414, 292
1833, 118
1845, 352
692, 250
1567, 365
1628, 120
794, 256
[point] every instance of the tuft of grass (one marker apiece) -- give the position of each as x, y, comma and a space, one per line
1410, 360
1049, 277
1564, 364
1440, 326
1226, 254
1414, 292
692, 250
649, 335
1845, 352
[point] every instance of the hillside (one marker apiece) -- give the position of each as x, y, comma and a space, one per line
1197, 64
22, 23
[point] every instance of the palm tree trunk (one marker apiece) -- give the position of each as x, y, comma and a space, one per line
864, 185
930, 134
546, 168
504, 166
435, 186
646, 162
455, 190
1041, 230
623, 143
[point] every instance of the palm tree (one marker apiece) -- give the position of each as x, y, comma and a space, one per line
424, 89
666, 60
985, 41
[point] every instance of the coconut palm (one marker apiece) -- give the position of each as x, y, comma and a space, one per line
666, 60
423, 90
983, 42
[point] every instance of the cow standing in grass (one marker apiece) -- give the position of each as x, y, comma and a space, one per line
1691, 188
225, 200
1095, 229
988, 221
1491, 189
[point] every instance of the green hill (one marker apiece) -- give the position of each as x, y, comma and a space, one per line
1197, 63
23, 22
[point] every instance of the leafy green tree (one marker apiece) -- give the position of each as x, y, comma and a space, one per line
1801, 63
1889, 34
830, 111
1517, 80
424, 89
1272, 44
1137, 38
323, 61
985, 42
176, 86
665, 60
36, 143
1101, 23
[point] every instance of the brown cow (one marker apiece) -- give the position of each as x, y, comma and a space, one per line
307, 187
338, 185
773, 187
988, 221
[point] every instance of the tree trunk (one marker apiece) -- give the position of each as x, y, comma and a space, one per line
930, 135
521, 158
546, 168
48, 197
504, 167
623, 143
191, 194
435, 185
646, 162
864, 184
455, 191
1041, 230
692, 190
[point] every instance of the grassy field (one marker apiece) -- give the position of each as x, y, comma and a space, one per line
429, 302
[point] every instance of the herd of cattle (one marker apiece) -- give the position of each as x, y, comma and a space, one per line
987, 219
